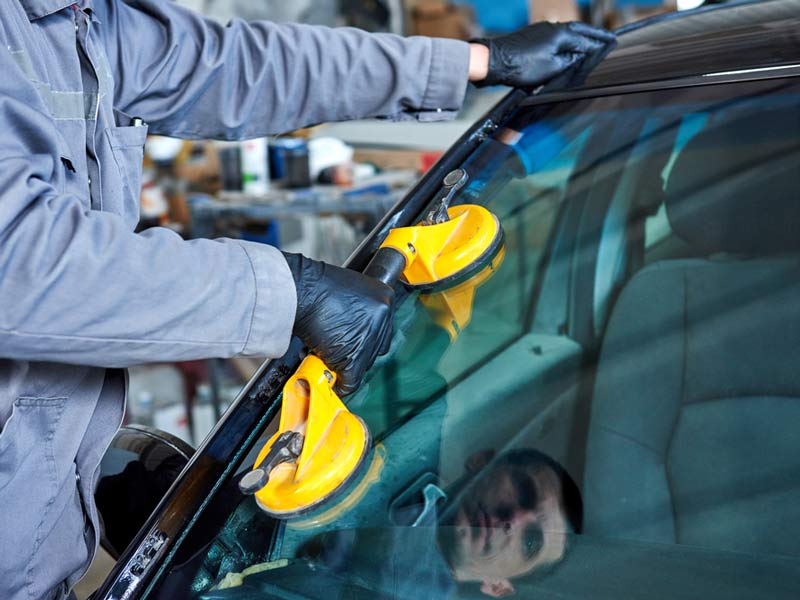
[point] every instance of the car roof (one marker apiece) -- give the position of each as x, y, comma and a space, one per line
716, 39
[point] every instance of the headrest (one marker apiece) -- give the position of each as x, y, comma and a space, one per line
735, 187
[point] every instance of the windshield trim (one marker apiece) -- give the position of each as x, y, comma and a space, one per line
743, 75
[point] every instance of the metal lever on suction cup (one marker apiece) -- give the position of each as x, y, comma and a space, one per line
453, 182
391, 259
286, 448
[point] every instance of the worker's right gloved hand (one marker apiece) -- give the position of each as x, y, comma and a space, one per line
537, 53
343, 317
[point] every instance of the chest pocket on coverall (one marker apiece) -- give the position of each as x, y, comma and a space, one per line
122, 189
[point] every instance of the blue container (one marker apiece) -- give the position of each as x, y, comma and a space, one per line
500, 17
288, 161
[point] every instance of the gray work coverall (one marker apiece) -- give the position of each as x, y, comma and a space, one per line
81, 295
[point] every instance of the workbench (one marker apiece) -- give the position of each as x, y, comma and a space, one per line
363, 205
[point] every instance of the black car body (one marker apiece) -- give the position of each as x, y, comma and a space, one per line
642, 332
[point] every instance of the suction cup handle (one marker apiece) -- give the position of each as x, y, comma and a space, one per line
452, 182
387, 265
286, 448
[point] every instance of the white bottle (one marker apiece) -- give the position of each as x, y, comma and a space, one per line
255, 166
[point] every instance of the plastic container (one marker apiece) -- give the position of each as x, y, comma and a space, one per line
289, 160
255, 166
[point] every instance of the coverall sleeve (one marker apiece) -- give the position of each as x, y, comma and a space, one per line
190, 77
77, 286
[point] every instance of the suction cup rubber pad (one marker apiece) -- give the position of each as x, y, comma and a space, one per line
335, 493
470, 270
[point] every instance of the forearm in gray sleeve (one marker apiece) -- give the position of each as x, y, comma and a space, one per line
78, 288
191, 77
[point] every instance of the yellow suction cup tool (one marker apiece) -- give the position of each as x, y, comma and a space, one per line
450, 246
444, 253
320, 446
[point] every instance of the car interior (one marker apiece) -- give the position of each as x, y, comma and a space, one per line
641, 331
712, 339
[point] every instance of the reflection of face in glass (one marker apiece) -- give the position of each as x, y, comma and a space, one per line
510, 517
511, 520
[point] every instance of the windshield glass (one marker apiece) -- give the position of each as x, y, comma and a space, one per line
617, 416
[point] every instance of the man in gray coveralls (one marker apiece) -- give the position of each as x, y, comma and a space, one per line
82, 296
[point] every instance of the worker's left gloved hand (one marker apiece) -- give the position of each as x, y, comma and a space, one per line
540, 52
343, 317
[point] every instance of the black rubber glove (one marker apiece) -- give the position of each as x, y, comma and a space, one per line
537, 53
343, 317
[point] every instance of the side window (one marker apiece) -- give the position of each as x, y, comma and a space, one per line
656, 230
542, 160
659, 239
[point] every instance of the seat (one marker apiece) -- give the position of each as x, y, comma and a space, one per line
694, 434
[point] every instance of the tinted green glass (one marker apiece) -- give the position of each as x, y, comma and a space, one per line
619, 416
